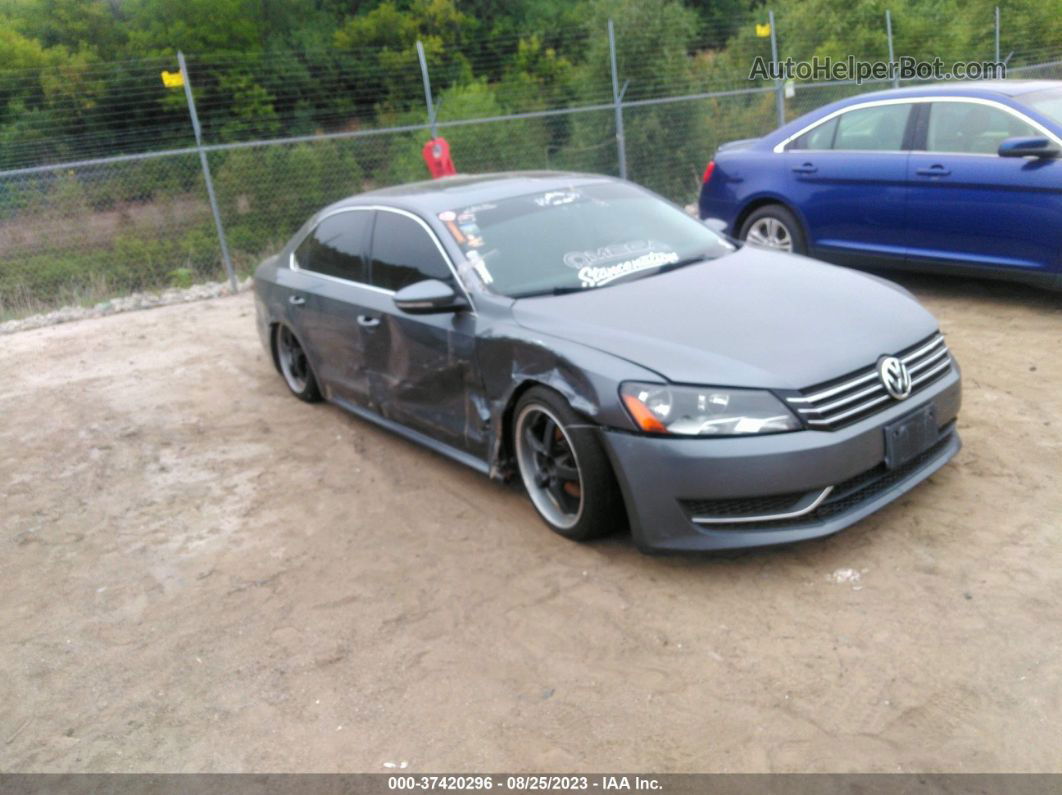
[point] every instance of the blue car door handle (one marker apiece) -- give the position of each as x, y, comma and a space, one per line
934, 171
296, 300
806, 168
368, 321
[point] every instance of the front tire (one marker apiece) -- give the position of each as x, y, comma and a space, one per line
774, 227
564, 470
295, 366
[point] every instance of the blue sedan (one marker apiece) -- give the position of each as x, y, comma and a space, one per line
963, 178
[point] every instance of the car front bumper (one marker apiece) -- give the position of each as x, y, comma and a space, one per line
664, 480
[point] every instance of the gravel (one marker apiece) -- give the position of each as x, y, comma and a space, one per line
128, 303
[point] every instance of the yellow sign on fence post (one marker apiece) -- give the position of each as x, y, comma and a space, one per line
172, 79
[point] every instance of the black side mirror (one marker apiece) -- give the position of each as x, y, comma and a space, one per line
428, 296
1028, 147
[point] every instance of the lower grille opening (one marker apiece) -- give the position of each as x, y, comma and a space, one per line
845, 496
739, 507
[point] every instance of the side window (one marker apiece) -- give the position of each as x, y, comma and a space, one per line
875, 129
336, 247
971, 127
403, 253
818, 138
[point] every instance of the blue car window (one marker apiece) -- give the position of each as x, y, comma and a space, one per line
1048, 102
879, 128
817, 138
971, 128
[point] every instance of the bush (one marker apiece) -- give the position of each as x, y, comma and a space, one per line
268, 193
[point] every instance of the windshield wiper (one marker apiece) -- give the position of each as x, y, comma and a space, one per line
551, 291
670, 266
682, 263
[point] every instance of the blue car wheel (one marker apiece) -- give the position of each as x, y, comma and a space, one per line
774, 227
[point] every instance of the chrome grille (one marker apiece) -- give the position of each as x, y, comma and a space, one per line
835, 404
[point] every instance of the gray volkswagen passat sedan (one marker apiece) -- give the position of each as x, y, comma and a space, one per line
626, 362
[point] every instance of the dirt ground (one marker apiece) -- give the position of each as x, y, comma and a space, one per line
201, 573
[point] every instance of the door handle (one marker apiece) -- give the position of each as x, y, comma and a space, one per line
296, 300
368, 321
807, 168
933, 171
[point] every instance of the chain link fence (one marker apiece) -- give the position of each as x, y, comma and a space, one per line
286, 134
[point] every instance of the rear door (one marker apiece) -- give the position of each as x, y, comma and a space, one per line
970, 207
334, 290
847, 177
422, 367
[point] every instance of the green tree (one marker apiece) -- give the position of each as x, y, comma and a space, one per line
665, 144
491, 146
385, 38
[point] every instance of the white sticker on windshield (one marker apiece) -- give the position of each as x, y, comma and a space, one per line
480, 267
597, 275
612, 252
557, 197
607, 263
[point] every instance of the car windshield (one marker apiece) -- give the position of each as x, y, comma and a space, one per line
1048, 102
581, 237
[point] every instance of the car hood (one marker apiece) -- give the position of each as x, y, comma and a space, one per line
753, 318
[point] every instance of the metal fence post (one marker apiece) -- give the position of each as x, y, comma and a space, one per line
206, 173
997, 34
892, 55
617, 101
427, 89
779, 84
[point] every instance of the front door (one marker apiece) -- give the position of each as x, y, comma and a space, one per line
970, 207
422, 367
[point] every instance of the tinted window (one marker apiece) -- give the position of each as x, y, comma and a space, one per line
819, 138
874, 129
403, 253
971, 127
336, 247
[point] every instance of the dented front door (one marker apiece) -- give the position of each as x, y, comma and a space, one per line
422, 367
423, 376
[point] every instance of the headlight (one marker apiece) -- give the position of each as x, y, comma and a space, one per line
705, 410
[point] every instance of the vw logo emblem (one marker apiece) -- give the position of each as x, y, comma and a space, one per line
894, 377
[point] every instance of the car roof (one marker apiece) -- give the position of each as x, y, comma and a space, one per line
463, 190
984, 89
966, 88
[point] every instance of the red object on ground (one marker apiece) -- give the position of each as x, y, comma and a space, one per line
437, 156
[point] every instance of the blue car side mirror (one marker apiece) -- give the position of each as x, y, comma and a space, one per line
1028, 147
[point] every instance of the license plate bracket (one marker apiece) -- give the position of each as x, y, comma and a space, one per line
909, 436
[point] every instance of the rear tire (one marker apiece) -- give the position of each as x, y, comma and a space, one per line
564, 468
774, 227
295, 366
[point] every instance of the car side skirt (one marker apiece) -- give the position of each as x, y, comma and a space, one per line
874, 261
435, 445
